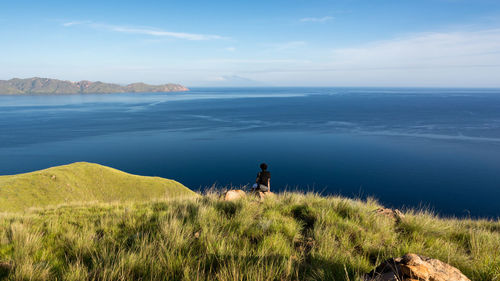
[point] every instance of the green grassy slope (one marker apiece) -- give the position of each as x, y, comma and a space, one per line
289, 237
82, 182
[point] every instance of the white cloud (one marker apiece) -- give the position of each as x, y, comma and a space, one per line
444, 59
145, 31
285, 45
291, 44
216, 79
312, 19
426, 50
452, 58
232, 81
228, 78
71, 23
225, 61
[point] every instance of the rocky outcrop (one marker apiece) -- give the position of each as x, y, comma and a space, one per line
233, 195
412, 267
395, 214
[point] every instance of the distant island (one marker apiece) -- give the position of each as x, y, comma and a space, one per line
38, 85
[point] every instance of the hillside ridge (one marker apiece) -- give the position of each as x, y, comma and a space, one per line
37, 85
82, 182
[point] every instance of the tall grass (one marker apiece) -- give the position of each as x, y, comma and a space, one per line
290, 237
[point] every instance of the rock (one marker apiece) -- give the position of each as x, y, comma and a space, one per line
412, 267
395, 214
305, 245
388, 276
234, 194
263, 195
5, 269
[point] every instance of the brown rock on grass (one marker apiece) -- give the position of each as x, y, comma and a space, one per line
264, 195
395, 214
412, 267
234, 194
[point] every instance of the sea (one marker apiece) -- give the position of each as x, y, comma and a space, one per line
422, 148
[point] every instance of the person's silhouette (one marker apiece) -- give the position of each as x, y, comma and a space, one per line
263, 181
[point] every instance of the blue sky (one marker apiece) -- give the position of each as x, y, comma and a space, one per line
255, 43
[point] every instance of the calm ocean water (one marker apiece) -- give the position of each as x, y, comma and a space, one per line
438, 148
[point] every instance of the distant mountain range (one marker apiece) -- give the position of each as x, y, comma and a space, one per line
37, 85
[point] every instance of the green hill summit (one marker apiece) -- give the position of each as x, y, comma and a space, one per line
82, 182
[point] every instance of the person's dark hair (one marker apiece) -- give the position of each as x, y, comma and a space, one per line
263, 166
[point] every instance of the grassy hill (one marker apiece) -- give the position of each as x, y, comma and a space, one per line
289, 237
82, 182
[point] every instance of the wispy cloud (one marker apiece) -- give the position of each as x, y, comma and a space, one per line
71, 23
320, 19
454, 58
281, 46
228, 78
230, 49
220, 61
425, 50
291, 44
144, 31
231, 80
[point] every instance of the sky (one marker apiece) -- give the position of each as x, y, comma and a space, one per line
379, 43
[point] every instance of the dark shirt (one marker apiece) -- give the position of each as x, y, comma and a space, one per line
263, 178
